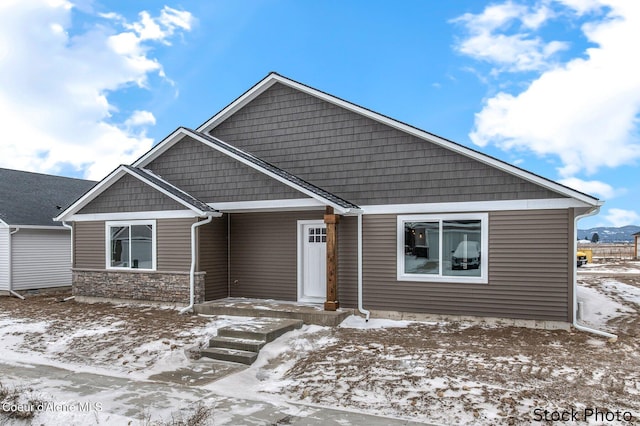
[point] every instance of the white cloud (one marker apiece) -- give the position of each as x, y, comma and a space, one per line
140, 118
620, 217
592, 187
585, 111
521, 51
54, 100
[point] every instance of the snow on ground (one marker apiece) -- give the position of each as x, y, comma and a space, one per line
625, 291
602, 267
358, 322
598, 307
437, 372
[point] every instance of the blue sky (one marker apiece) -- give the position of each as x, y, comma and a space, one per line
552, 86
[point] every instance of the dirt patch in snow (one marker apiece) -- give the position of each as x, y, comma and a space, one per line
453, 373
126, 338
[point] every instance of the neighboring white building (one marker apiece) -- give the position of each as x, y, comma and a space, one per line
35, 251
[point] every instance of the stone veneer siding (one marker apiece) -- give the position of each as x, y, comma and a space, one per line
172, 287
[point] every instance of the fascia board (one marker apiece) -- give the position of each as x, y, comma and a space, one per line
138, 215
467, 152
42, 227
476, 206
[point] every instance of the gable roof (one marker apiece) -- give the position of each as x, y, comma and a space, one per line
33, 199
198, 207
168, 188
274, 78
254, 162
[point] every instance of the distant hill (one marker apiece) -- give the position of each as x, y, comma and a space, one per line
610, 234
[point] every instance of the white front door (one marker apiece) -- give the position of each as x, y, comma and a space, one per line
312, 266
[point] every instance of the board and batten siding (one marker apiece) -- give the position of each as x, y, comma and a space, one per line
360, 159
213, 259
4, 258
40, 259
529, 274
173, 245
263, 250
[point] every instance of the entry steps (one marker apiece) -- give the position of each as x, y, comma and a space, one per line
241, 343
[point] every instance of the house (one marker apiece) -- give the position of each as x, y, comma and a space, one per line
35, 251
636, 250
290, 193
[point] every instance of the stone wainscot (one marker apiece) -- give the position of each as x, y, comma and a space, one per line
164, 287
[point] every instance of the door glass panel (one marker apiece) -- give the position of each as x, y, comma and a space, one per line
317, 235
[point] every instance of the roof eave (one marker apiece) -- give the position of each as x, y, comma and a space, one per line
114, 177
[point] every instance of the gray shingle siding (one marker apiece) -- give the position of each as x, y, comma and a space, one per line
214, 177
362, 160
129, 194
149, 176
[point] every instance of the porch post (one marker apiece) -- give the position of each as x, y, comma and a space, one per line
331, 220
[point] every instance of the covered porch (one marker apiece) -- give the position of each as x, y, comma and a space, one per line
261, 308
298, 261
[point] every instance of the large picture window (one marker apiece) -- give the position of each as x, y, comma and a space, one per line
449, 248
131, 245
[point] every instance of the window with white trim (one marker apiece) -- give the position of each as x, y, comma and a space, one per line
131, 244
449, 248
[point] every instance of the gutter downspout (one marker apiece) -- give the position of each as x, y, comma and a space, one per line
192, 271
70, 228
10, 262
610, 336
360, 308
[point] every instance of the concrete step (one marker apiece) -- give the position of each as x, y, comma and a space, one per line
241, 342
236, 343
268, 329
231, 355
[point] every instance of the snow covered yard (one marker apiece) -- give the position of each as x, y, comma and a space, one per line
445, 373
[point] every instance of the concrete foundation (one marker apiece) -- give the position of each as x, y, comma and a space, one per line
501, 322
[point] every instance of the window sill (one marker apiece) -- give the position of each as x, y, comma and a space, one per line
130, 269
442, 279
